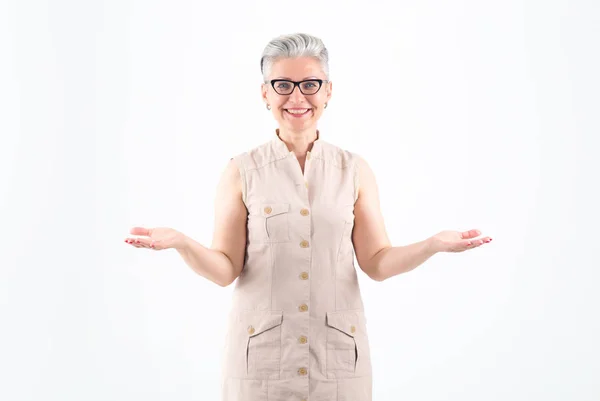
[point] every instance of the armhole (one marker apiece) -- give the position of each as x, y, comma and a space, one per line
240, 165
356, 178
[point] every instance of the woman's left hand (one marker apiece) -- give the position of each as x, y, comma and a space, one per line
457, 241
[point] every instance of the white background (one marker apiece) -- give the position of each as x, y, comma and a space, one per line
473, 114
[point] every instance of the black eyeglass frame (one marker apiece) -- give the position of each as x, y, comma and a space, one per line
297, 83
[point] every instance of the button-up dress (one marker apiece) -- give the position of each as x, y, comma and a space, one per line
297, 327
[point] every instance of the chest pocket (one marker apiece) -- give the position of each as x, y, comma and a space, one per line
268, 222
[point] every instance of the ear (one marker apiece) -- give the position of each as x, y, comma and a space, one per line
329, 90
263, 91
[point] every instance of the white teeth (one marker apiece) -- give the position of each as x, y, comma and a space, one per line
297, 111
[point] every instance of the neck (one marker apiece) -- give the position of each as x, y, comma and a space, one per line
298, 142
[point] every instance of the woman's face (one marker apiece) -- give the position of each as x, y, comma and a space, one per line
282, 106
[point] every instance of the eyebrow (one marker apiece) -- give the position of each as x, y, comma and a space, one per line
290, 79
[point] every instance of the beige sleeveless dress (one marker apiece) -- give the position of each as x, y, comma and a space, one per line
297, 328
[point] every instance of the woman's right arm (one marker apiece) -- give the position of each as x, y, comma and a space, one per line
223, 262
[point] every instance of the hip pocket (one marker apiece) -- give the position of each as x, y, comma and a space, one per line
263, 344
347, 348
253, 345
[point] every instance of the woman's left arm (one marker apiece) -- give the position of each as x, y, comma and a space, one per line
374, 253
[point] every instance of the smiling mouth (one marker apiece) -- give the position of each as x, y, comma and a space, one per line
297, 112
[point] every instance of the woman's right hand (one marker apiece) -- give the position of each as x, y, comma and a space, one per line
157, 238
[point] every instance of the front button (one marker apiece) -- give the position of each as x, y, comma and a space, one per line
304, 212
306, 184
303, 308
304, 244
302, 340
352, 329
268, 210
250, 330
302, 371
304, 276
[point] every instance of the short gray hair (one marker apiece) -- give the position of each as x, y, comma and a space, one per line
291, 46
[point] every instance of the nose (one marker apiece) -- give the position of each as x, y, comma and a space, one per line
296, 95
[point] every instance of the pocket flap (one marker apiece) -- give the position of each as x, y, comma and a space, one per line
257, 322
269, 209
346, 322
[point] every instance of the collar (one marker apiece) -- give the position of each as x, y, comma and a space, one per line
282, 150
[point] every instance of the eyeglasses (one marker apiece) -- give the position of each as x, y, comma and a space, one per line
307, 87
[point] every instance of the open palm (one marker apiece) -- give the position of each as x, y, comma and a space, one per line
156, 238
457, 241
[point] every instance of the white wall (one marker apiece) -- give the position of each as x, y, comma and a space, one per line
473, 114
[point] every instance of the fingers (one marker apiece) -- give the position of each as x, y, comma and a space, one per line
140, 231
144, 243
475, 243
470, 234
134, 242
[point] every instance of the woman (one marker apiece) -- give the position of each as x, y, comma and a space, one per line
290, 216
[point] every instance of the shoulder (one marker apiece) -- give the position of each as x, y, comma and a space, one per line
258, 156
338, 156
350, 161
366, 182
344, 157
363, 174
